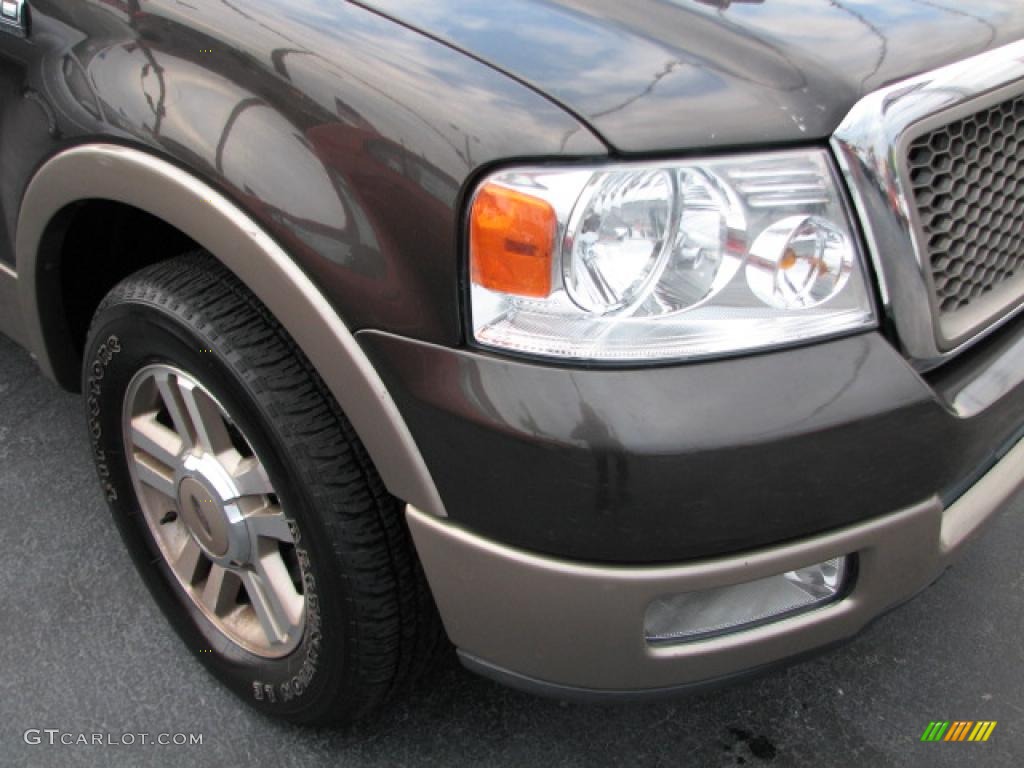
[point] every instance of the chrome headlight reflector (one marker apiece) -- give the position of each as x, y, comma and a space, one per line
668, 261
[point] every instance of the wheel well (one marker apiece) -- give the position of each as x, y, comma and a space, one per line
87, 249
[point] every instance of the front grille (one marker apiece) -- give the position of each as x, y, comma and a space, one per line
968, 187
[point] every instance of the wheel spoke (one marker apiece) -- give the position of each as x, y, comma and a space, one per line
251, 477
274, 599
220, 594
270, 524
155, 439
190, 561
153, 474
211, 433
167, 384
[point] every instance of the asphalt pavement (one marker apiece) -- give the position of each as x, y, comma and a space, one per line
83, 650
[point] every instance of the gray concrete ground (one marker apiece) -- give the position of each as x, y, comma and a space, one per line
82, 649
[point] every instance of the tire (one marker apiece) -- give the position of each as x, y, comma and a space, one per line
361, 622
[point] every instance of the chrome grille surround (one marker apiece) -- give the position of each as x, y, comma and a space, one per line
872, 146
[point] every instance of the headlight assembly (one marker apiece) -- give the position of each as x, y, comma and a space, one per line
664, 261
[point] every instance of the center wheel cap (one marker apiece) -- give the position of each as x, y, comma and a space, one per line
203, 513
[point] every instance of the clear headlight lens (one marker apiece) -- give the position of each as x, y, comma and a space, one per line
666, 261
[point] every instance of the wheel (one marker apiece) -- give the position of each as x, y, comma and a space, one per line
248, 504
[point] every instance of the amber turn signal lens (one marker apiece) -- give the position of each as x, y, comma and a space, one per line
511, 239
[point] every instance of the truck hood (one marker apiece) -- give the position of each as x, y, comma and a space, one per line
659, 75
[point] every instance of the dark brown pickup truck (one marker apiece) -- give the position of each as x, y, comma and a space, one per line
626, 345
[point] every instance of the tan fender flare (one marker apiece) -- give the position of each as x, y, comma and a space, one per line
136, 178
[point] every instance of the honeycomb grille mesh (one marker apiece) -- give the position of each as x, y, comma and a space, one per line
968, 185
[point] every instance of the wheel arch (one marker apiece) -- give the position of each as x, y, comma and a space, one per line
146, 182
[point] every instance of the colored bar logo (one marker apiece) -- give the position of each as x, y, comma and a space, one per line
958, 730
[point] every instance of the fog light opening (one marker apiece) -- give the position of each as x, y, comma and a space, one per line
702, 614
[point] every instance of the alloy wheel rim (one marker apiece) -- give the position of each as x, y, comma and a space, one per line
210, 506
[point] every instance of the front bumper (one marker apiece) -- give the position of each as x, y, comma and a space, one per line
572, 628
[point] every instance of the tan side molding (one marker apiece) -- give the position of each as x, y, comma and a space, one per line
136, 178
